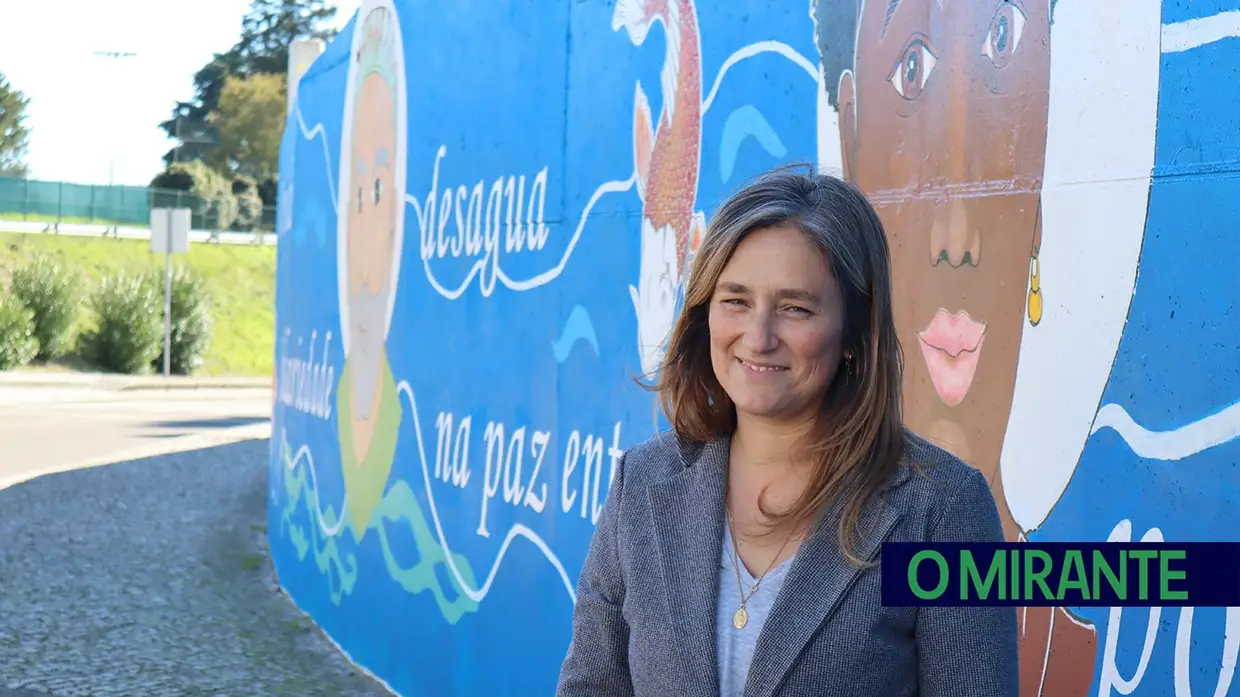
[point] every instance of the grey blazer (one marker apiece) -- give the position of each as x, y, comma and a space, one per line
644, 623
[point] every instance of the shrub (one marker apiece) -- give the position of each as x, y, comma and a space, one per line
18, 345
191, 320
52, 293
249, 204
129, 324
215, 207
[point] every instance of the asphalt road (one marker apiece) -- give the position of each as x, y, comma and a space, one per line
148, 576
47, 429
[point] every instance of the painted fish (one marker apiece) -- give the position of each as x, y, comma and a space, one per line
667, 161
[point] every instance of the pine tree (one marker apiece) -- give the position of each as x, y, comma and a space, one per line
14, 134
266, 32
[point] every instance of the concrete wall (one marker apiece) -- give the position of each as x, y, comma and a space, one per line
484, 209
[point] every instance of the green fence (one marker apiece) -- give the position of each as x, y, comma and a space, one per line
62, 202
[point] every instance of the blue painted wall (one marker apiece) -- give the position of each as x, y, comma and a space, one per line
537, 349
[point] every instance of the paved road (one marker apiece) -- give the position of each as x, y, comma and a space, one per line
147, 577
44, 429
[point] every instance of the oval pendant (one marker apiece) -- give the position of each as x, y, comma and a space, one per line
740, 619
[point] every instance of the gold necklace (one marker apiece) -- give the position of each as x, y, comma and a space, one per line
741, 617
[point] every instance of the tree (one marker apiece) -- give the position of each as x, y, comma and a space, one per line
266, 32
272, 25
248, 124
14, 135
190, 122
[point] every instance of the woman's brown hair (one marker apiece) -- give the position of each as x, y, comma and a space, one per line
859, 438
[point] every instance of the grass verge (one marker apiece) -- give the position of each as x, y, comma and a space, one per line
239, 278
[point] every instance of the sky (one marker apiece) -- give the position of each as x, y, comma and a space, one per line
94, 119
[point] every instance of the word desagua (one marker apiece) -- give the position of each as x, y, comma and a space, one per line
305, 385
476, 234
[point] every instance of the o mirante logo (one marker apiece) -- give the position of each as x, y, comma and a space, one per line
1061, 573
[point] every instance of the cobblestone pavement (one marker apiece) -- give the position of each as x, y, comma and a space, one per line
150, 578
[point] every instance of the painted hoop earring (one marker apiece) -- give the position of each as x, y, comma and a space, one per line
1035, 291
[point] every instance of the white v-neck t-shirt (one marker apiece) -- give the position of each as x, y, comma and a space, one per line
735, 647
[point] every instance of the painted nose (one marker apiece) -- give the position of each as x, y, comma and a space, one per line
369, 276
952, 239
372, 270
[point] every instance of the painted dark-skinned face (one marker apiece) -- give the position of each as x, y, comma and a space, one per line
943, 125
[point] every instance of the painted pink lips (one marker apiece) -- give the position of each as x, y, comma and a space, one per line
951, 346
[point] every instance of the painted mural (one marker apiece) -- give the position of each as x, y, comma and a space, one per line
1027, 158
487, 213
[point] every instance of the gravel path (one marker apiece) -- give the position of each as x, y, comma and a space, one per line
151, 578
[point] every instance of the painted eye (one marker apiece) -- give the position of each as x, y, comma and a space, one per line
909, 76
378, 193
1004, 35
360, 199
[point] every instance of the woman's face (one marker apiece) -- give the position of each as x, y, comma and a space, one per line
776, 322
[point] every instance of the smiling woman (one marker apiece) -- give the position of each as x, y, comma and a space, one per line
789, 465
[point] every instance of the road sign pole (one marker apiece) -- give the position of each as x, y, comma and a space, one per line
169, 235
168, 299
